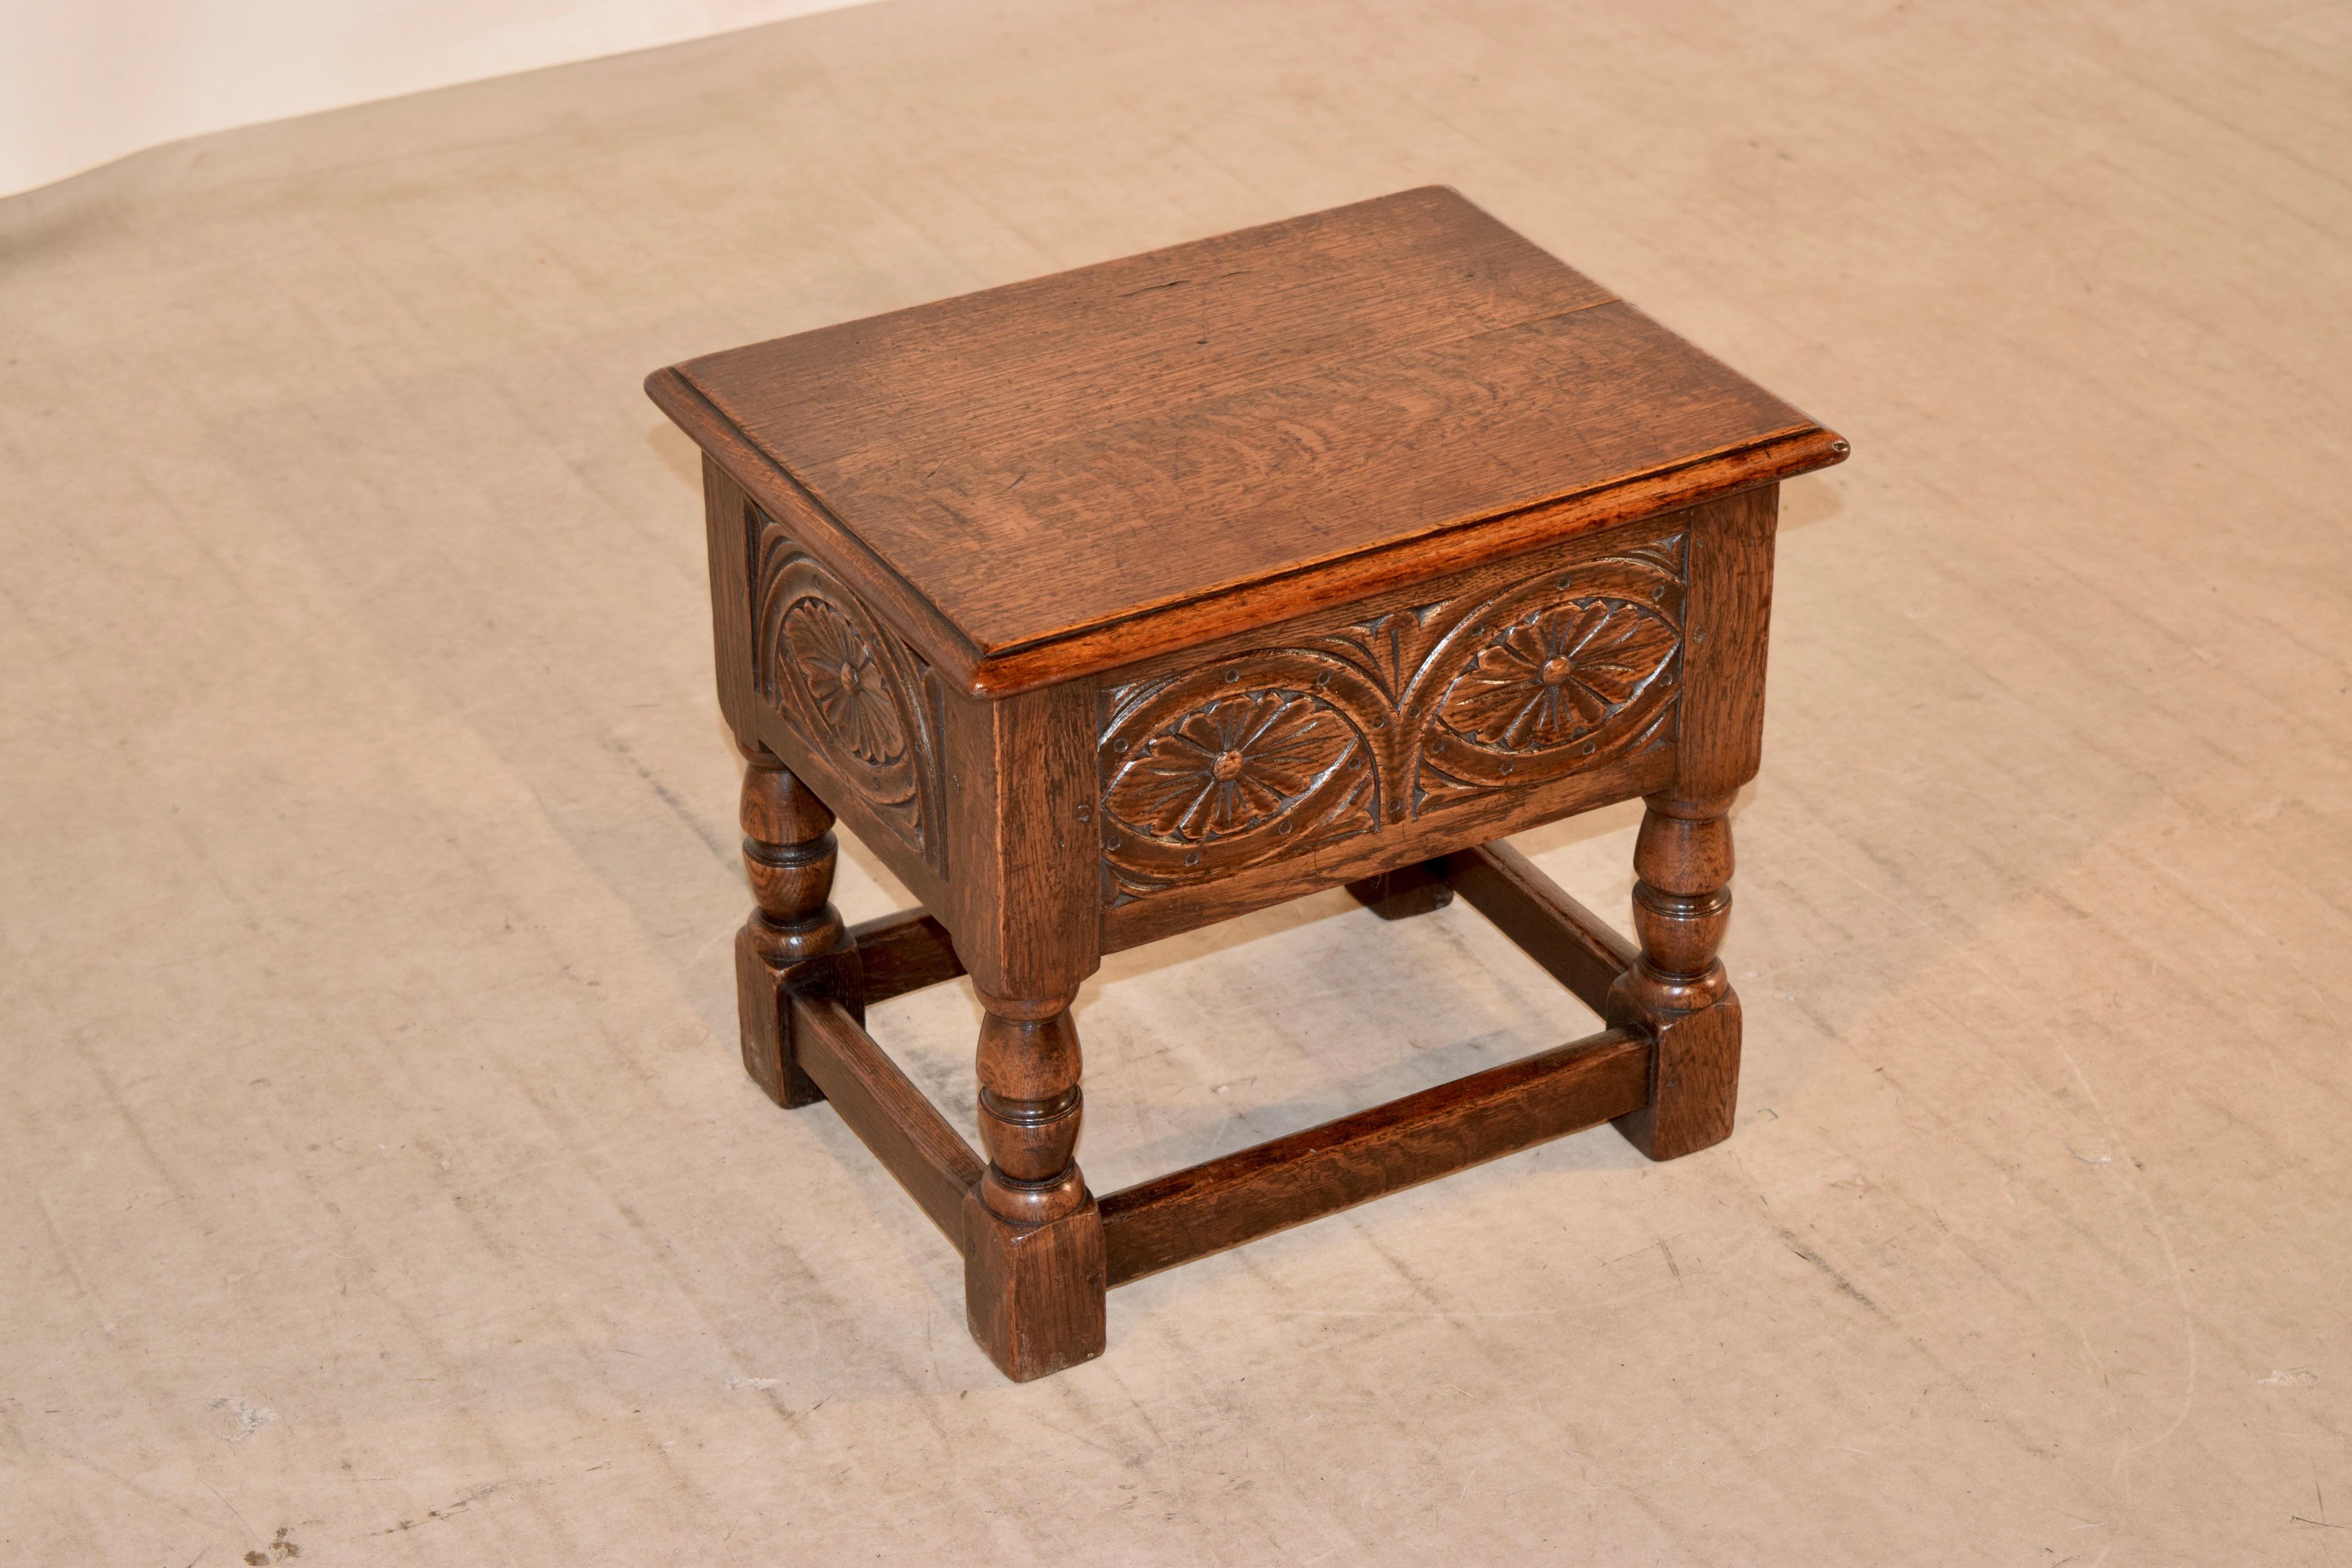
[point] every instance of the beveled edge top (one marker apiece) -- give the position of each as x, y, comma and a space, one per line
1337, 581
1308, 586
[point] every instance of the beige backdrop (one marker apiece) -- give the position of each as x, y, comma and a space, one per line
377, 1176
82, 81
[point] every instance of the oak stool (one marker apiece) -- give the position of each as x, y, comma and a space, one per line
1113, 604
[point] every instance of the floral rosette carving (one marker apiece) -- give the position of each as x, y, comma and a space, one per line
1262, 754
847, 687
1551, 677
1230, 765
856, 693
1557, 674
1210, 772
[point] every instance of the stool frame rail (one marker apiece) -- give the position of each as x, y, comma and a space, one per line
818, 1048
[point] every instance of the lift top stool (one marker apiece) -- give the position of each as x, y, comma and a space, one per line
1117, 602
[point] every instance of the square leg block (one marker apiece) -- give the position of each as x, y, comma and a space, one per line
1695, 1083
763, 1014
1034, 1295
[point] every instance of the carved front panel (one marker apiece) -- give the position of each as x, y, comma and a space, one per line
857, 695
1389, 718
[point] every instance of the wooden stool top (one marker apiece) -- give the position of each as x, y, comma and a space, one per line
1042, 480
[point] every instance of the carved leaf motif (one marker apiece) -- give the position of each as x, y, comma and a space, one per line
1360, 724
1557, 674
1229, 765
837, 669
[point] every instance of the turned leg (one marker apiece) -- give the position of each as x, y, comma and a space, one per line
1034, 1275
794, 939
1678, 991
1402, 893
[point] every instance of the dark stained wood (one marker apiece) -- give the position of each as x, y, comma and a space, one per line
1695, 1084
763, 1014
1029, 929
1395, 729
1209, 318
903, 952
793, 940
1344, 579
1206, 1208
1437, 437
1106, 606
1186, 625
1027, 926
889, 1113
1730, 612
1683, 858
829, 686
1033, 1294
724, 509
814, 767
1142, 921
1023, 842
780, 496
1575, 946
1060, 469
1677, 990
1400, 894
1030, 1108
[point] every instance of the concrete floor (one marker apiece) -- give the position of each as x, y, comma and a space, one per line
379, 1178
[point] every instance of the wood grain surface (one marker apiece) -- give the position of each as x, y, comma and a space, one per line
1255, 1192
903, 952
1044, 462
1033, 1294
890, 1114
1729, 617
1574, 946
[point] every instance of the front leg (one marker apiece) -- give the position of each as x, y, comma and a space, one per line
1678, 992
1034, 1270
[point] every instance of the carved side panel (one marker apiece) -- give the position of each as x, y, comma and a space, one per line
1392, 719
858, 697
